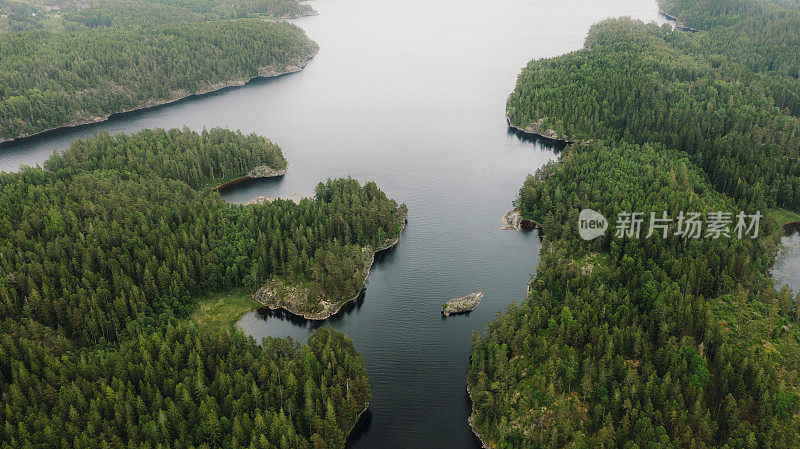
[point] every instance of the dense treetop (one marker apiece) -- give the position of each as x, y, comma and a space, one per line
97, 240
655, 342
106, 249
634, 82
151, 12
51, 79
196, 159
184, 388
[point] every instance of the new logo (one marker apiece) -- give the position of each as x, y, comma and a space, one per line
591, 224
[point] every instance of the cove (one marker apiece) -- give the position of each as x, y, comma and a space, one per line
411, 95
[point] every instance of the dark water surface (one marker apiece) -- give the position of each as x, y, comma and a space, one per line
409, 94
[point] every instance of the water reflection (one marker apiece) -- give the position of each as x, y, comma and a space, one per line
556, 145
266, 314
361, 428
423, 115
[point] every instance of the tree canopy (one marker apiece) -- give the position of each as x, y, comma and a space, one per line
103, 254
50, 79
657, 342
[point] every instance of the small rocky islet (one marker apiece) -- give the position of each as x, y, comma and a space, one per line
462, 305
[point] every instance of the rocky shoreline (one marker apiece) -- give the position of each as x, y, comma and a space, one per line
296, 198
678, 24
484, 444
262, 171
463, 304
513, 221
264, 72
536, 129
791, 227
358, 418
269, 294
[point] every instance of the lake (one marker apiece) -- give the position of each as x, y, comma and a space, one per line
787, 263
411, 95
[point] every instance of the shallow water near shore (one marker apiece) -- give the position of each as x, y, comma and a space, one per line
411, 95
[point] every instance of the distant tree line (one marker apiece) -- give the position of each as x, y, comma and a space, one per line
151, 12
76, 15
638, 83
51, 79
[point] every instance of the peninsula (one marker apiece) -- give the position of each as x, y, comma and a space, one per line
310, 300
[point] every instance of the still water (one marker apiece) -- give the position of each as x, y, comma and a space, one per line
409, 94
787, 263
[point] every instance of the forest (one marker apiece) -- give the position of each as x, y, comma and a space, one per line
81, 63
53, 79
151, 12
105, 251
659, 342
183, 388
76, 15
634, 82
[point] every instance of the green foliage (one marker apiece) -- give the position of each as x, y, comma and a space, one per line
103, 248
196, 159
151, 12
643, 83
77, 15
111, 231
783, 216
220, 311
630, 351
659, 342
52, 79
182, 387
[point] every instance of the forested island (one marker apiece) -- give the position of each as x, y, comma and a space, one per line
655, 342
91, 62
104, 253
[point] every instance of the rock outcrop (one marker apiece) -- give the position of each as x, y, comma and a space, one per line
463, 304
538, 129
301, 301
265, 171
511, 221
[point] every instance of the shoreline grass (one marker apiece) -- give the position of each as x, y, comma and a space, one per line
222, 310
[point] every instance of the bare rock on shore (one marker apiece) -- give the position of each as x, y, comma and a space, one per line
309, 301
538, 128
296, 198
463, 304
511, 220
265, 171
